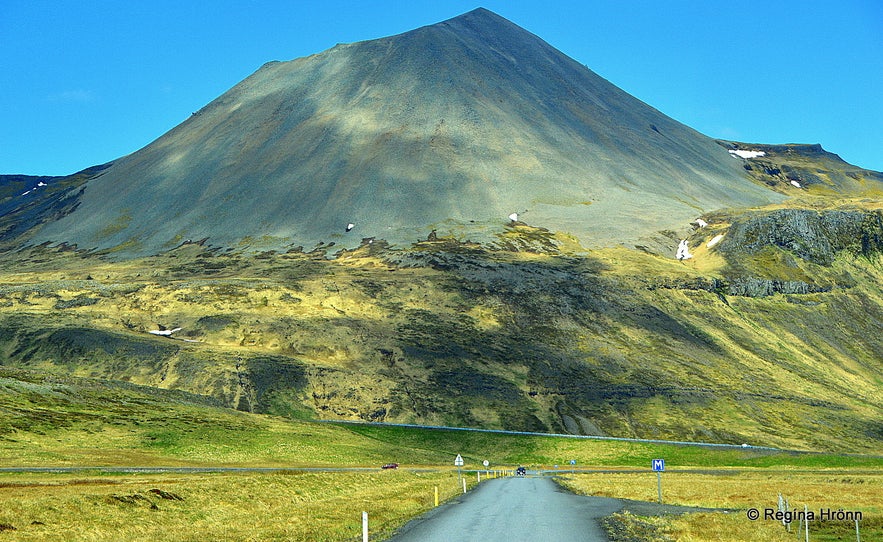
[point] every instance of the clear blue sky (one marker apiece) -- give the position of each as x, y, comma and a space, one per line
84, 82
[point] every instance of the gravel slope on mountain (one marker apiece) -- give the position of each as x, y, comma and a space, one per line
449, 127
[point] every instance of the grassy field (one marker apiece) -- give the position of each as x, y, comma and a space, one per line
292, 505
63, 421
223, 507
852, 490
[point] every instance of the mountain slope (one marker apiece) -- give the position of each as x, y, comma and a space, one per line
740, 344
451, 127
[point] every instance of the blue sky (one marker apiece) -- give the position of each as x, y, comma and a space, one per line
85, 82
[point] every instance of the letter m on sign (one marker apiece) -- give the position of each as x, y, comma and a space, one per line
658, 464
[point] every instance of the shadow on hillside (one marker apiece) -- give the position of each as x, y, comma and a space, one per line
546, 309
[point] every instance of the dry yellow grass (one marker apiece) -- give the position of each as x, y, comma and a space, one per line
248, 506
850, 490
836, 489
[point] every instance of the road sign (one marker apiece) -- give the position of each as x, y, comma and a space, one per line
573, 461
658, 466
485, 463
458, 462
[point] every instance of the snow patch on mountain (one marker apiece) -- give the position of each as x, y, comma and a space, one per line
747, 154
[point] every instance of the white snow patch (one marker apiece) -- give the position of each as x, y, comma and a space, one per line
795, 183
164, 332
40, 184
747, 154
683, 252
715, 240
701, 222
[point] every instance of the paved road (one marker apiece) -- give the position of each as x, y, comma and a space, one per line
513, 509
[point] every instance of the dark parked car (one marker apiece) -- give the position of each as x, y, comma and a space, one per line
390, 466
520, 471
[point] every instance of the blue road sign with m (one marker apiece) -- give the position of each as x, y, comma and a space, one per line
658, 465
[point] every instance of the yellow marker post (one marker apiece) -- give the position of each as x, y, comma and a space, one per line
436, 496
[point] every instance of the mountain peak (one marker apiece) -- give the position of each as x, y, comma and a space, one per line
483, 22
475, 14
478, 12
450, 127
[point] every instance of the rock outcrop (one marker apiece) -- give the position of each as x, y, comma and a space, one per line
814, 236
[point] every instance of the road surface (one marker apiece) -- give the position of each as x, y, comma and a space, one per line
510, 509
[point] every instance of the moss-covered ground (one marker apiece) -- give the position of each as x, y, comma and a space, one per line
522, 336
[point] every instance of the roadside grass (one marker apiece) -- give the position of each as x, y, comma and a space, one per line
851, 490
291, 505
198, 507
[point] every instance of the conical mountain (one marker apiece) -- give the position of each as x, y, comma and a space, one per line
451, 127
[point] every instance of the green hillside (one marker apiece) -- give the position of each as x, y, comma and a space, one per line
764, 345
56, 421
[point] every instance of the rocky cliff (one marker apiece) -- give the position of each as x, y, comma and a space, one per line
815, 236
